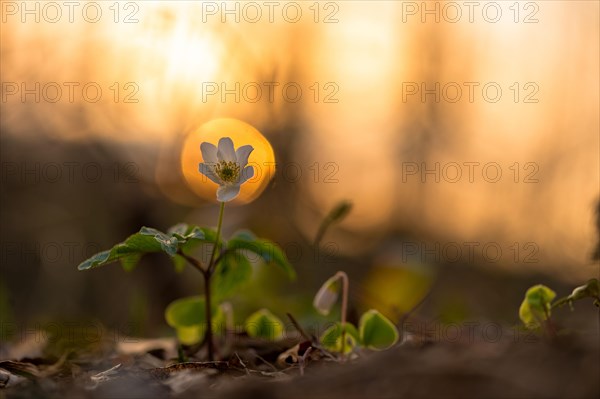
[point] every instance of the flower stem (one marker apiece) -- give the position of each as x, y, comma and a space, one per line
207, 293
214, 251
209, 338
345, 283
549, 326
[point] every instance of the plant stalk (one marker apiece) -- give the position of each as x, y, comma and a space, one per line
214, 251
207, 293
345, 284
550, 331
207, 311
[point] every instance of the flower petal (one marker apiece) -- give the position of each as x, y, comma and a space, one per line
227, 193
242, 155
247, 174
209, 171
225, 151
209, 152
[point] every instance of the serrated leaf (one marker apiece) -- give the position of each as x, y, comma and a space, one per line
148, 240
269, 251
135, 244
179, 228
169, 244
377, 332
198, 233
331, 339
190, 232
536, 305
232, 271
194, 236
188, 317
96, 260
265, 325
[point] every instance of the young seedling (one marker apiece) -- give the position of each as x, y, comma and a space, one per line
228, 265
265, 325
337, 214
536, 307
375, 331
591, 289
327, 296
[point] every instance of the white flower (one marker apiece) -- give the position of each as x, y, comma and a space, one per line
327, 295
226, 167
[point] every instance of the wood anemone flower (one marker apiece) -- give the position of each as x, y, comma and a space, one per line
226, 167
327, 295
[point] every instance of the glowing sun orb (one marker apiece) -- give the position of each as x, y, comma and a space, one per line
262, 159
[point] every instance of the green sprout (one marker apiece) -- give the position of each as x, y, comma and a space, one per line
337, 214
537, 305
591, 289
195, 318
264, 325
375, 331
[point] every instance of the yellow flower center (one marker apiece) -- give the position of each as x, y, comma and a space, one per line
228, 171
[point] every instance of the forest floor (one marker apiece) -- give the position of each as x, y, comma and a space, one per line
472, 362
434, 359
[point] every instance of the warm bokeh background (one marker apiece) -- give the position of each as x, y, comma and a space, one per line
78, 175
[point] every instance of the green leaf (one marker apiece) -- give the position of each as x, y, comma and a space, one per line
179, 228
193, 236
337, 214
340, 211
267, 250
331, 339
188, 317
99, 259
179, 262
135, 244
233, 270
264, 324
377, 332
145, 241
169, 244
246, 235
536, 305
191, 233
129, 262
186, 312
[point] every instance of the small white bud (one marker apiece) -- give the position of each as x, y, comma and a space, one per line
327, 295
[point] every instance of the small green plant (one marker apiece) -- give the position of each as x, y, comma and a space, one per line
194, 318
338, 213
264, 325
375, 331
536, 308
591, 290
